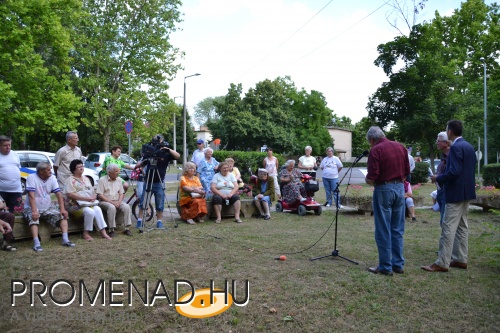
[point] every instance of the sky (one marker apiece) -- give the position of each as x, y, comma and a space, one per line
323, 45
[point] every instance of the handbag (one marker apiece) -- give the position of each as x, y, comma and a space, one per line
87, 194
82, 203
195, 195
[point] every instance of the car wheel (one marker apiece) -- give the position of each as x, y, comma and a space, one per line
23, 186
302, 210
279, 207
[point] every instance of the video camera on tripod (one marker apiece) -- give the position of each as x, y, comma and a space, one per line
157, 148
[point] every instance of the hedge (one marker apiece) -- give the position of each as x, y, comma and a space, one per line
491, 175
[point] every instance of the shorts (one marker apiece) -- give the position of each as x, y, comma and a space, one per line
52, 215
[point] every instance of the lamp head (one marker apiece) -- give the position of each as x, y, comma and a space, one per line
481, 59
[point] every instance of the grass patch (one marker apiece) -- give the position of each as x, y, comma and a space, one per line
296, 295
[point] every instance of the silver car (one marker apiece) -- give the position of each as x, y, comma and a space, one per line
95, 161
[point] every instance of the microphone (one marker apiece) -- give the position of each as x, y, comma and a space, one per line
365, 153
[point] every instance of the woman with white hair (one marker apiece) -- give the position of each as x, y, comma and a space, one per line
207, 169
264, 193
293, 189
331, 167
307, 162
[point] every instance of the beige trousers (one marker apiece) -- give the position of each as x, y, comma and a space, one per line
123, 213
453, 244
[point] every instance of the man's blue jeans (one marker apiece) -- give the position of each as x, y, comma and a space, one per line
389, 215
157, 190
330, 185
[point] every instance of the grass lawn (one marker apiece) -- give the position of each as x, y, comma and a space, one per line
296, 295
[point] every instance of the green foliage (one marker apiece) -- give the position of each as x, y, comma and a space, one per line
123, 59
491, 175
35, 86
441, 76
274, 113
420, 174
246, 160
206, 109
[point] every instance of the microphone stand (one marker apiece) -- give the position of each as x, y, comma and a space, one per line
335, 252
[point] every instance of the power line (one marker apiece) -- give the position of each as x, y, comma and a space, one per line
282, 43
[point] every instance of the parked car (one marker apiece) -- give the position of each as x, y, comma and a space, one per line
95, 161
30, 158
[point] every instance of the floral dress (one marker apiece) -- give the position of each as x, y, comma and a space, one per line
293, 189
206, 169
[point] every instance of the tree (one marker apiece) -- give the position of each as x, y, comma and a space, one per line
440, 73
272, 113
36, 99
206, 110
123, 61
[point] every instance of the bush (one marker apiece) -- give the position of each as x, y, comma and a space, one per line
244, 160
420, 174
491, 175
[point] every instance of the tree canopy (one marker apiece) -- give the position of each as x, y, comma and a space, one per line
441, 76
273, 113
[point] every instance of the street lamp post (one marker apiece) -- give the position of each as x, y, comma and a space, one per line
485, 115
184, 146
175, 132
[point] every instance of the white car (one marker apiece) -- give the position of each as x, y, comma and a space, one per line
30, 158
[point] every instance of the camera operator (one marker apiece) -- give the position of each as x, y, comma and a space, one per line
154, 177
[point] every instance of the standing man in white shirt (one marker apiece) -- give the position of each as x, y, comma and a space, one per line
10, 177
64, 156
199, 154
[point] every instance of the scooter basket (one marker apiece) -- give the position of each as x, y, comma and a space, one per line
311, 186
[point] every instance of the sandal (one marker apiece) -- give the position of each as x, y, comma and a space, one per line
190, 221
8, 248
238, 221
217, 221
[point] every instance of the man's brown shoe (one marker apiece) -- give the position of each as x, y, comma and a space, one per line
456, 264
434, 268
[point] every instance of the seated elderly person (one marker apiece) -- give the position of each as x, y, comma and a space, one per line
293, 189
6, 226
38, 205
81, 199
224, 187
243, 188
409, 201
111, 195
264, 193
192, 196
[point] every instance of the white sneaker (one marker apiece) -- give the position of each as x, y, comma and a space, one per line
340, 206
302, 199
328, 205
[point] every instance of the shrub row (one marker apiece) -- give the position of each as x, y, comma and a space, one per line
491, 175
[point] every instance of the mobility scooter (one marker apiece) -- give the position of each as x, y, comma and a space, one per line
311, 186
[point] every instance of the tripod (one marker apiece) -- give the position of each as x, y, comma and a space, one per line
335, 252
148, 193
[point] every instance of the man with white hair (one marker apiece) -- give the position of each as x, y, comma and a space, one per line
387, 168
64, 156
443, 144
111, 194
